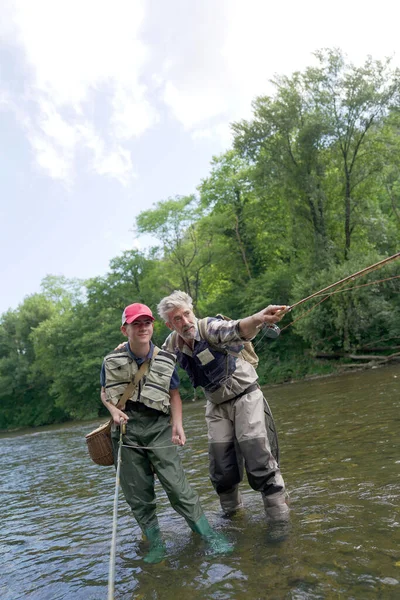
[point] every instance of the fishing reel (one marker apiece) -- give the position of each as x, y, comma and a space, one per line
271, 331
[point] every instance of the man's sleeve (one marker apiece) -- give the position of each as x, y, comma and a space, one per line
220, 332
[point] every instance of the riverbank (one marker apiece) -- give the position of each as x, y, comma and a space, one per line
318, 369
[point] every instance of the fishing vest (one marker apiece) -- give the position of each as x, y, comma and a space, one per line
207, 367
222, 376
152, 390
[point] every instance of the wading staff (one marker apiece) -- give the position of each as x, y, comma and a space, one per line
111, 573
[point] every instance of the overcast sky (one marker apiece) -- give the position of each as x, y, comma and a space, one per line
107, 107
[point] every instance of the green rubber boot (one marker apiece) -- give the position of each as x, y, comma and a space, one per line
217, 542
157, 550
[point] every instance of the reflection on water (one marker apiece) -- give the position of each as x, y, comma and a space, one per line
340, 456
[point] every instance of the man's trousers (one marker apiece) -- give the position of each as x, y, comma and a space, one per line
236, 433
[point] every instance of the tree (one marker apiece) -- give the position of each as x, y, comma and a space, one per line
247, 223
320, 137
355, 99
24, 390
173, 222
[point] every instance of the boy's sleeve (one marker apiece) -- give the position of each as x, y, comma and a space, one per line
103, 375
175, 381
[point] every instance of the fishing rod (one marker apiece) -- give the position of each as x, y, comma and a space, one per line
369, 269
273, 331
357, 287
111, 575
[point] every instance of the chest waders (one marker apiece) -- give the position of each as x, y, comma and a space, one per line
148, 449
220, 366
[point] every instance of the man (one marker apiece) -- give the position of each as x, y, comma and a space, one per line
147, 443
235, 403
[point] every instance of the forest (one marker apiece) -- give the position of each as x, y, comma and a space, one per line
308, 193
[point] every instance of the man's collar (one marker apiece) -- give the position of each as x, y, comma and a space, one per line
197, 336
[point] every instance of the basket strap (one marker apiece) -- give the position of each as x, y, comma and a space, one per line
144, 367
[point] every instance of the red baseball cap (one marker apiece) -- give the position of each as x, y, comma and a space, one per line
134, 311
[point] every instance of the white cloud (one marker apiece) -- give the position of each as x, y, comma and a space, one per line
115, 162
100, 73
132, 113
193, 106
218, 66
222, 131
85, 58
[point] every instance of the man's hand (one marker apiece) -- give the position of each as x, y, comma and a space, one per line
250, 326
120, 346
178, 435
272, 314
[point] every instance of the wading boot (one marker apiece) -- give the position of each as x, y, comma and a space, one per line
276, 508
217, 542
157, 550
278, 517
231, 501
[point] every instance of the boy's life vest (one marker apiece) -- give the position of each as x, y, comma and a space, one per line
153, 390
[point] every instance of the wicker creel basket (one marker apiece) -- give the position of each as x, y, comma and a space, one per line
100, 446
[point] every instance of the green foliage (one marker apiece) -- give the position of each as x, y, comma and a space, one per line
324, 139
351, 317
24, 391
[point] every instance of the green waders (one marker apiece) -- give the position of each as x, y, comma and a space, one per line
151, 428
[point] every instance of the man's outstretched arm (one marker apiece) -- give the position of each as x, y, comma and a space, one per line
250, 326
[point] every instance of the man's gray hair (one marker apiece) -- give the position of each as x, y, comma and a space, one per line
177, 299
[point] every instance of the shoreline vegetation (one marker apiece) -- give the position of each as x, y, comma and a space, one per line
339, 369
308, 194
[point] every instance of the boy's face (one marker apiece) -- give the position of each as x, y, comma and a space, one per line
141, 330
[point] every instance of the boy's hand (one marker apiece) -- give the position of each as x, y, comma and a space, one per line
178, 435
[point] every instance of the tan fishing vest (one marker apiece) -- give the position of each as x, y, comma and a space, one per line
242, 378
153, 389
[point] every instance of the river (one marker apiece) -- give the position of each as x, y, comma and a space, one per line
340, 457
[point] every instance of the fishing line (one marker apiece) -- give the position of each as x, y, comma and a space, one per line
357, 287
383, 339
148, 447
369, 269
340, 283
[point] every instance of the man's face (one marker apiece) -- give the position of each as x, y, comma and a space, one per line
141, 330
183, 321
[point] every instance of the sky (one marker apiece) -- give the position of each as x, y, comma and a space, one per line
109, 107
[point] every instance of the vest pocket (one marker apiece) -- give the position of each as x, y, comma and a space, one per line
155, 392
162, 369
114, 392
118, 370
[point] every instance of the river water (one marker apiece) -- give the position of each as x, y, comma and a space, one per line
340, 457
